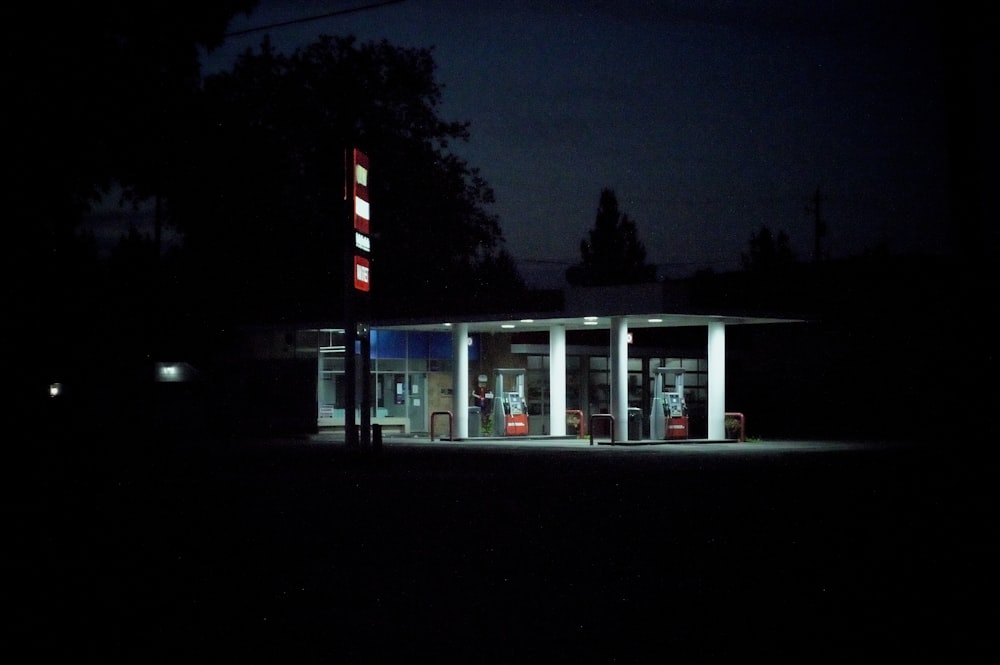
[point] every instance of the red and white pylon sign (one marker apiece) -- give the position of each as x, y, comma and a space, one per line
361, 216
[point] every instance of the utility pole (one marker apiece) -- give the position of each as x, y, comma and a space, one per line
819, 226
357, 301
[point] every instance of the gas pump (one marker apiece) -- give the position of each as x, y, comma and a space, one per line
668, 418
510, 412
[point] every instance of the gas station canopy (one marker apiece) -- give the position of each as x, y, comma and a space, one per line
657, 305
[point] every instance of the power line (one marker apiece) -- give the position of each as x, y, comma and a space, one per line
306, 19
718, 260
554, 262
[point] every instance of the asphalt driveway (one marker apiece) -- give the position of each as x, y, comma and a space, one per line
301, 550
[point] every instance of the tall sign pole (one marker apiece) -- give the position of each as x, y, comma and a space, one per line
357, 307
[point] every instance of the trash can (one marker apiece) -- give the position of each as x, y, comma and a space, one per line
634, 423
475, 422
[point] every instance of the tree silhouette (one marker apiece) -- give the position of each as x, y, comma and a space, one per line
93, 91
260, 199
613, 253
768, 253
94, 88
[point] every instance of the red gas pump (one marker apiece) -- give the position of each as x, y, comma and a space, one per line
510, 412
515, 415
676, 416
668, 416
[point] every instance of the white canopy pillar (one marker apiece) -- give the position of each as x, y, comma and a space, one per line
460, 379
557, 380
716, 380
619, 376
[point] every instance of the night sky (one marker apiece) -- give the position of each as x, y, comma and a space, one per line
707, 119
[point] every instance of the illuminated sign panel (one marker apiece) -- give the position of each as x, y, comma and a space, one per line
362, 242
362, 274
362, 213
356, 192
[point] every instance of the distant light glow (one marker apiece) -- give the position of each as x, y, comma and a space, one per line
174, 372
55, 389
167, 372
655, 320
590, 318
506, 325
527, 320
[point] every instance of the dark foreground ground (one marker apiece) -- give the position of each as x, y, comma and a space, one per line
302, 551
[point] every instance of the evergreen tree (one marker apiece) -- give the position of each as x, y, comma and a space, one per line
612, 253
768, 253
